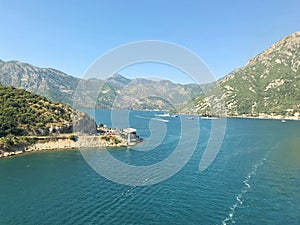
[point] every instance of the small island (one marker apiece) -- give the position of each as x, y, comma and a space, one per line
29, 122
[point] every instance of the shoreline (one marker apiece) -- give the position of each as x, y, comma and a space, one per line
267, 117
295, 117
64, 142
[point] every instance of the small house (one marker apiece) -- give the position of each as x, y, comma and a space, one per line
130, 134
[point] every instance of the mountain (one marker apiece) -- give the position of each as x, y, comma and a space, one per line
269, 84
47, 82
115, 92
148, 94
118, 81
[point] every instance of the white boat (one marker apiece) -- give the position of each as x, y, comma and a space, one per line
209, 118
283, 121
163, 115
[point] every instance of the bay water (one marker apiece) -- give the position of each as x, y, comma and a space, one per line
255, 179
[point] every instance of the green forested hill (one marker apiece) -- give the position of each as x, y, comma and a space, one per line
24, 113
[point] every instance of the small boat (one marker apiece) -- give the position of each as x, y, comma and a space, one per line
283, 121
174, 116
190, 118
209, 118
163, 115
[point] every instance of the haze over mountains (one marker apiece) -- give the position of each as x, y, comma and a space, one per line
269, 84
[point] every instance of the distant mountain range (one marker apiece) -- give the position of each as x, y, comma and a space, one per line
115, 92
269, 84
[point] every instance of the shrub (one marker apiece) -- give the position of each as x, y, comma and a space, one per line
73, 137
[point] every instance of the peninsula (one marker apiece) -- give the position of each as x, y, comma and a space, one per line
29, 122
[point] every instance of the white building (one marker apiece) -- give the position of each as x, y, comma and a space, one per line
130, 133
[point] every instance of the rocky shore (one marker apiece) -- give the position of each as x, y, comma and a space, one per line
107, 138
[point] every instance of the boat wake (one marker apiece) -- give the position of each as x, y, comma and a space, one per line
129, 191
246, 188
155, 118
162, 120
142, 117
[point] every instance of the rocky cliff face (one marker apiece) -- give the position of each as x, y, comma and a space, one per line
269, 83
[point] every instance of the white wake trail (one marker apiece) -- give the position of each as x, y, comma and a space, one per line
246, 188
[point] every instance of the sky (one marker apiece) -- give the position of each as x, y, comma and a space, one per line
71, 35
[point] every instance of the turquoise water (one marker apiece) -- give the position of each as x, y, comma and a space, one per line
255, 179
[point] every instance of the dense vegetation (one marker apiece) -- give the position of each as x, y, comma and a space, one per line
23, 113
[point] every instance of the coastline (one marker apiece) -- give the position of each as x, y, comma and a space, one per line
295, 117
64, 142
266, 117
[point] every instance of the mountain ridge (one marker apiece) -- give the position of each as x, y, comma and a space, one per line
268, 85
59, 86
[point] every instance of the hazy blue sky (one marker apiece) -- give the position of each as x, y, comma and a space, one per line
70, 35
